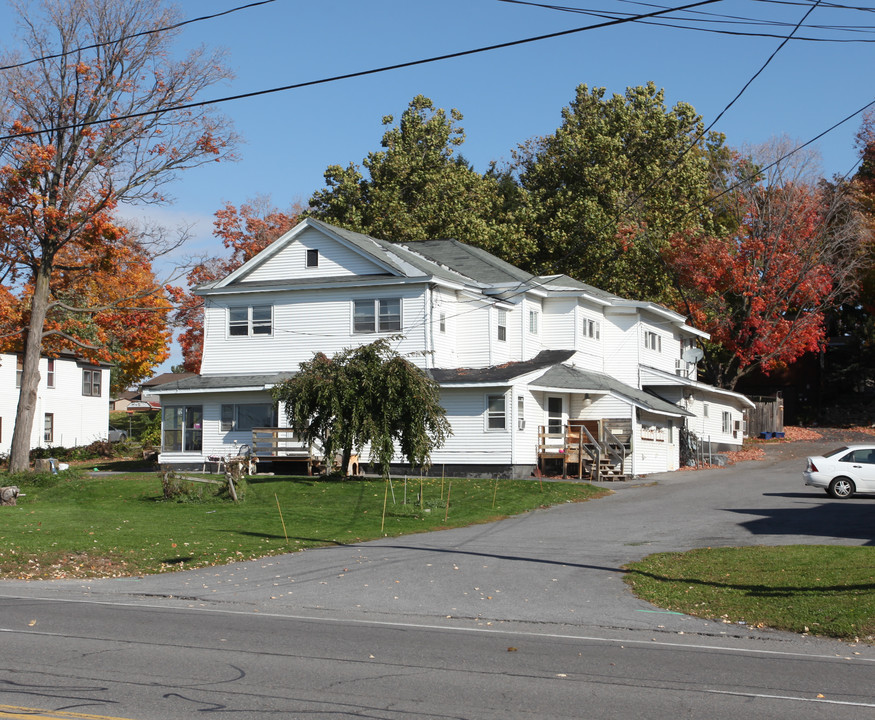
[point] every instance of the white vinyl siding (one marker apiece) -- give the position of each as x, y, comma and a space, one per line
335, 260
303, 322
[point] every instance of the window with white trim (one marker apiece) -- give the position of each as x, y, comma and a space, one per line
727, 422
246, 416
379, 315
250, 320
533, 322
50, 373
652, 341
312, 258
502, 324
496, 412
443, 324
19, 370
49, 428
591, 329
182, 428
91, 382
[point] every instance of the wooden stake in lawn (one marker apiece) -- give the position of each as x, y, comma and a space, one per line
447, 511
494, 493
421, 498
385, 500
443, 470
281, 517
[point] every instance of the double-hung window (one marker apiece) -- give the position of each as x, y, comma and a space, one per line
591, 328
50, 373
251, 320
49, 428
379, 315
652, 341
533, 322
91, 382
727, 422
502, 324
496, 412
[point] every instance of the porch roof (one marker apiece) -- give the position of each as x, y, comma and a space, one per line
212, 383
566, 378
498, 374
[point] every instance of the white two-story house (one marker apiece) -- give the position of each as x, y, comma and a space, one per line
536, 373
72, 406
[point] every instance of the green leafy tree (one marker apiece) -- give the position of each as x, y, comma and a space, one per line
419, 188
366, 395
613, 183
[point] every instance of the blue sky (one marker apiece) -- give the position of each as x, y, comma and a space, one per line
506, 96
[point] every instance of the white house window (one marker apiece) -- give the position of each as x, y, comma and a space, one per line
705, 408
91, 382
183, 428
19, 369
49, 428
381, 315
443, 324
521, 412
252, 320
652, 341
50, 373
727, 422
312, 258
502, 325
247, 416
533, 322
591, 328
496, 412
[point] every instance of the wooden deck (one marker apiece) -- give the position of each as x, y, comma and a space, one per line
588, 446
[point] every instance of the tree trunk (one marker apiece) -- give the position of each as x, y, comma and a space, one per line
19, 455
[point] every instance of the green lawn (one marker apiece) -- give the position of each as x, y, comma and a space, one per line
820, 589
122, 525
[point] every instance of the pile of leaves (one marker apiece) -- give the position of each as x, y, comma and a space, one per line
800, 434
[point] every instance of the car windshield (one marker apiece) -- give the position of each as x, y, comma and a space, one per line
842, 449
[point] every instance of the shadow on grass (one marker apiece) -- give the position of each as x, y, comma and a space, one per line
760, 590
124, 465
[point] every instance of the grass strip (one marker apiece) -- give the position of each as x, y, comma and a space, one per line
819, 589
73, 525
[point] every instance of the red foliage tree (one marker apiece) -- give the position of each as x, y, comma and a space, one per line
762, 291
245, 232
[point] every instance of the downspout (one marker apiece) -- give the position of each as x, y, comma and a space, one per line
429, 327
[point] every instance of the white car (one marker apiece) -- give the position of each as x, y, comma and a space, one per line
843, 472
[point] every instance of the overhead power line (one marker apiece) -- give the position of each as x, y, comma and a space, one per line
175, 26
362, 73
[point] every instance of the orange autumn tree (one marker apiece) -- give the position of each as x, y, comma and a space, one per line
763, 290
245, 232
106, 308
90, 122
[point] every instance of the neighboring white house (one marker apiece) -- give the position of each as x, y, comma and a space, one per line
72, 406
524, 363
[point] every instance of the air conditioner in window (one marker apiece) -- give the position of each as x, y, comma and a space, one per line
521, 423
738, 425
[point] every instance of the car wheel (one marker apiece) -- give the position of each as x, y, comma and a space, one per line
841, 488
123, 438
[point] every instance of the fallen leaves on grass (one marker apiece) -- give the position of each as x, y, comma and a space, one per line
799, 434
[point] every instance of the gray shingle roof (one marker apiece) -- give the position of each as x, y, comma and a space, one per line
565, 377
222, 382
499, 373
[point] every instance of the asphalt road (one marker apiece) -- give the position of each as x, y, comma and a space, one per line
526, 618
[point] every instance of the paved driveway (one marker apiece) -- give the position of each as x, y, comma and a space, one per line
561, 565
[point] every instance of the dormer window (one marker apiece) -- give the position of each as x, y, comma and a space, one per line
312, 258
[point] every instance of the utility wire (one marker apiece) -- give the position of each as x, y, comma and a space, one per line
175, 26
361, 73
